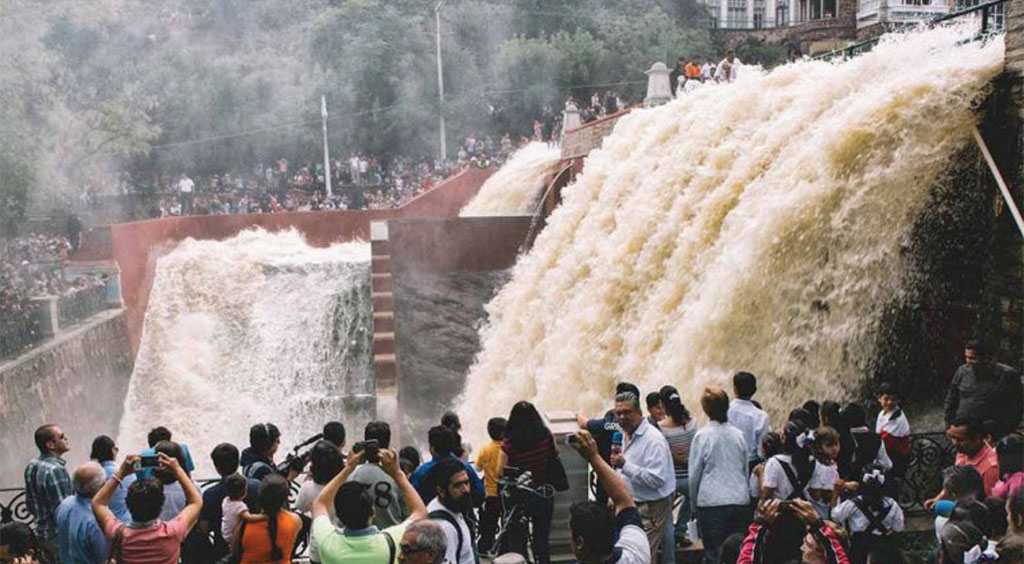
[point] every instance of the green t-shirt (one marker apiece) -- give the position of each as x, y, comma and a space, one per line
367, 546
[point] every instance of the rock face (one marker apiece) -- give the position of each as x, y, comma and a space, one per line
77, 381
438, 315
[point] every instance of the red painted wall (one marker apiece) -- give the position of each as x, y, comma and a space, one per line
136, 246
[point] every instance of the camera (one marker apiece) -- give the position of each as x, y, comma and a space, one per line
296, 461
371, 450
147, 461
572, 440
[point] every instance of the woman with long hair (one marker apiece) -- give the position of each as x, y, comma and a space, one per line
679, 428
529, 446
270, 541
104, 451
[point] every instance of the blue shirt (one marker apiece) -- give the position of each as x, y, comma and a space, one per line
81, 540
118, 504
46, 484
417, 479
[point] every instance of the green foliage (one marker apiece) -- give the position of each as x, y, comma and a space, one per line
92, 87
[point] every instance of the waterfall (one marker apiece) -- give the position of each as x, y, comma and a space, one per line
257, 328
747, 226
518, 184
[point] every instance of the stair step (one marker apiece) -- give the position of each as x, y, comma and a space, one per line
381, 264
383, 322
379, 247
385, 371
381, 282
383, 343
383, 301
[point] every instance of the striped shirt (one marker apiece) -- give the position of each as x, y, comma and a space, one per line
679, 440
47, 483
535, 458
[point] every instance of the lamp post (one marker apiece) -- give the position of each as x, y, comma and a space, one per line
327, 153
440, 83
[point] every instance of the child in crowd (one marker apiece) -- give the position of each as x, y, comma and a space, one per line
234, 508
655, 409
770, 446
795, 474
894, 428
871, 517
488, 460
826, 452
1010, 450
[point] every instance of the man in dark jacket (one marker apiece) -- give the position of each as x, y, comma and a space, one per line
985, 390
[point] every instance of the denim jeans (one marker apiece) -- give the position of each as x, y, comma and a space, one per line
672, 534
717, 523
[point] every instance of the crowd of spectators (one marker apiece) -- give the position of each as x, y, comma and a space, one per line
821, 489
32, 266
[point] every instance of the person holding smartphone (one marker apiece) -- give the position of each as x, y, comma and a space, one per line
147, 539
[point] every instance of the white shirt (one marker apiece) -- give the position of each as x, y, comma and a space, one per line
753, 422
850, 516
896, 426
633, 545
232, 512
823, 478
304, 504
733, 67
466, 557
706, 71
185, 185
649, 471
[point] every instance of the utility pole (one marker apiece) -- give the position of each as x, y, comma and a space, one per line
440, 83
327, 154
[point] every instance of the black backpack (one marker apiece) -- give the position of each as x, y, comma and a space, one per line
450, 519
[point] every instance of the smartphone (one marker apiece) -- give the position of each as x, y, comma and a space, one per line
571, 440
149, 461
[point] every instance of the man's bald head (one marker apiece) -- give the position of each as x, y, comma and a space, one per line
88, 479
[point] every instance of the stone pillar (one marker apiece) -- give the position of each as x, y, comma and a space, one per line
770, 14
659, 91
570, 118
723, 13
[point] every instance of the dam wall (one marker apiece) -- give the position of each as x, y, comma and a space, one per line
444, 271
137, 246
77, 380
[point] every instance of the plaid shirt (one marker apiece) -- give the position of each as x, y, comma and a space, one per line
46, 484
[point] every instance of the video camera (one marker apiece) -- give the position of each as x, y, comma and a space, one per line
295, 460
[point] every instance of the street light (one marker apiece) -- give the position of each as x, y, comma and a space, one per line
440, 83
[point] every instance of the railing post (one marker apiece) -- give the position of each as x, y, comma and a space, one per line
984, 19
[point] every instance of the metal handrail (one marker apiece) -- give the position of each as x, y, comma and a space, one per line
984, 7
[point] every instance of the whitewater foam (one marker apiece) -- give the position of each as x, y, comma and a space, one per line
257, 328
750, 226
517, 186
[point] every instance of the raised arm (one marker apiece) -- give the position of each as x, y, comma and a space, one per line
413, 501
613, 484
326, 497
101, 501
193, 499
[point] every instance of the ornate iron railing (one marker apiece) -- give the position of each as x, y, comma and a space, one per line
14, 507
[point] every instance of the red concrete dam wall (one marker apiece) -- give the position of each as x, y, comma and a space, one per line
137, 246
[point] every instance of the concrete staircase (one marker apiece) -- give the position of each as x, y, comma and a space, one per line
384, 367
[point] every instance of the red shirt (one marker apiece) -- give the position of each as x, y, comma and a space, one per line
535, 458
986, 463
158, 544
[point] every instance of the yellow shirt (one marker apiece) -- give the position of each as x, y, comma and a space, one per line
487, 461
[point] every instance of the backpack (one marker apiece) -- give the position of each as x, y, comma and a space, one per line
251, 470
866, 447
450, 519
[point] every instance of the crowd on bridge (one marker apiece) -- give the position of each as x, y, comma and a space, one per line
822, 488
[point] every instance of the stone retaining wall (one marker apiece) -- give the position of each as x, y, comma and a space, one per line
77, 381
